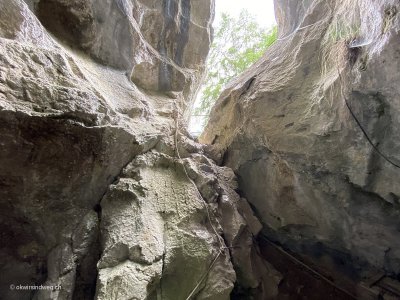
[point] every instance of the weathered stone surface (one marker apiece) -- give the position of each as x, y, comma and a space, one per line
239, 227
93, 195
153, 219
302, 160
161, 44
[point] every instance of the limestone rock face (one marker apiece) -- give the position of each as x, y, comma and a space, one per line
166, 218
162, 45
152, 219
312, 130
101, 192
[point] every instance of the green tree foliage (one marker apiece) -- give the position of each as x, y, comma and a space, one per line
238, 43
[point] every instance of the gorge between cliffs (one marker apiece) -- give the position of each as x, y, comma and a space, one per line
292, 191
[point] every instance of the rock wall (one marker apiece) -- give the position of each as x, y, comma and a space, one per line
101, 191
312, 131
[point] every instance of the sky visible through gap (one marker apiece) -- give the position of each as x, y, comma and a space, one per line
262, 10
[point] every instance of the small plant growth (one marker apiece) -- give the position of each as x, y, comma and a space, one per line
238, 43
